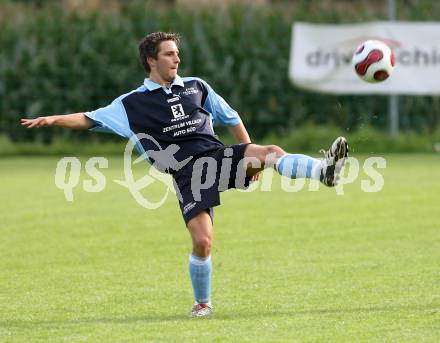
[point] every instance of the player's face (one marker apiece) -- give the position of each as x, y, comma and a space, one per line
164, 68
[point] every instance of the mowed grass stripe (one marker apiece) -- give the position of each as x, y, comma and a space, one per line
304, 266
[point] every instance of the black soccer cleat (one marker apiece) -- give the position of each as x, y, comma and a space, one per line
333, 162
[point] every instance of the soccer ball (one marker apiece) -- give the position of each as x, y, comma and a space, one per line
373, 61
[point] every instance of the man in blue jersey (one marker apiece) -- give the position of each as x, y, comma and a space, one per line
177, 115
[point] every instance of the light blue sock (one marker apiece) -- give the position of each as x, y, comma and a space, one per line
298, 166
200, 272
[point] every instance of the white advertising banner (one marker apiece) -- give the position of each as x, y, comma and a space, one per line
320, 57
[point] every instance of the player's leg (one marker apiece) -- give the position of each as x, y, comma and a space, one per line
200, 228
298, 165
290, 165
200, 266
258, 157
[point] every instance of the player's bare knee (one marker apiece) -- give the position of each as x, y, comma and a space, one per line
203, 245
273, 150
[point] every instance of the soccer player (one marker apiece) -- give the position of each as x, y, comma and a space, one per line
176, 115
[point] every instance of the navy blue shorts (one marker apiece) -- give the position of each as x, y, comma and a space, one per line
199, 183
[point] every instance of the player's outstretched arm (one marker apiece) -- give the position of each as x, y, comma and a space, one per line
240, 133
71, 121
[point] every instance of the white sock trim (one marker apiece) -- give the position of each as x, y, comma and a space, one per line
277, 163
198, 260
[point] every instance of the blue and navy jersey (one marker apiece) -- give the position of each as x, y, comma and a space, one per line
183, 114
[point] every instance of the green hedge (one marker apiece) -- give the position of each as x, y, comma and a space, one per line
366, 140
53, 61
307, 139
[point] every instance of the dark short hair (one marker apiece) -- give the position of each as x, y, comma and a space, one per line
149, 46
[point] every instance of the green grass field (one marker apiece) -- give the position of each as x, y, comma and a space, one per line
305, 266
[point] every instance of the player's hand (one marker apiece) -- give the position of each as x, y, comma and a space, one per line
37, 122
255, 177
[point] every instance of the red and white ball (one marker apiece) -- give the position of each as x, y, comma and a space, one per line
373, 61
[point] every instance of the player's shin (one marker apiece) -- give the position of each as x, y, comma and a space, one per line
297, 166
200, 269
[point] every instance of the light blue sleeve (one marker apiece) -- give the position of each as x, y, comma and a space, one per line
111, 119
222, 113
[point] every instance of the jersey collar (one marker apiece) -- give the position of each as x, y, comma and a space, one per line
151, 85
